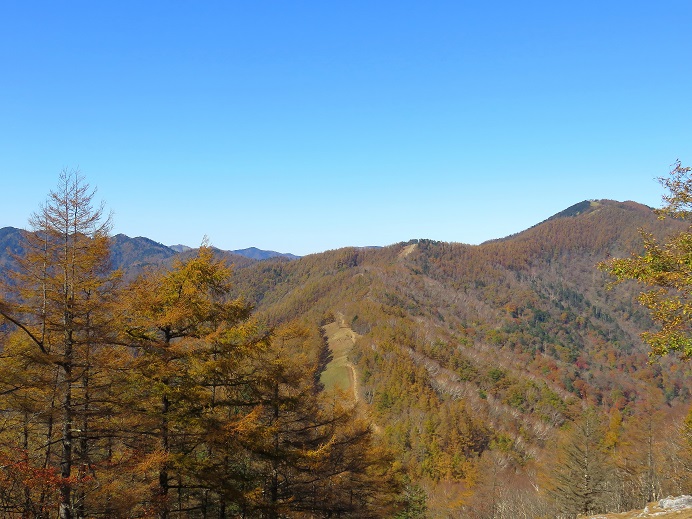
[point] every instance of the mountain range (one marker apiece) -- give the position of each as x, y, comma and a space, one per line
135, 253
461, 350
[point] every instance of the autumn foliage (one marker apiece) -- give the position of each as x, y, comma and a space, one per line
163, 397
482, 374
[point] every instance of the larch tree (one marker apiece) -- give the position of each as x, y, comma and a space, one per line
580, 476
189, 334
311, 453
59, 299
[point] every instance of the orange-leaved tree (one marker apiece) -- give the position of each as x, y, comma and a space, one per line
59, 301
666, 268
191, 338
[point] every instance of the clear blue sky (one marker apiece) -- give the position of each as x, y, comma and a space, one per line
305, 126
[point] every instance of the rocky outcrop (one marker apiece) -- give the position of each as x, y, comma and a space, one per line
679, 507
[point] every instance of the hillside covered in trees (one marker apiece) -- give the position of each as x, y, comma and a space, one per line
179, 387
478, 363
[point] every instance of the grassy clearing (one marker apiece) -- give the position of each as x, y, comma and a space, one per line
339, 372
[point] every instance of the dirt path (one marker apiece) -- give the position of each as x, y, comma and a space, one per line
340, 372
354, 381
407, 250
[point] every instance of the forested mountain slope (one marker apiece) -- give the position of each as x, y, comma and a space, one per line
476, 363
493, 348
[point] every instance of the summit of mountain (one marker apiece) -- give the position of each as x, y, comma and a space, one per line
138, 252
614, 224
588, 206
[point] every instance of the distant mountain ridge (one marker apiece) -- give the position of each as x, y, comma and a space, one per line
250, 252
10, 243
259, 254
139, 252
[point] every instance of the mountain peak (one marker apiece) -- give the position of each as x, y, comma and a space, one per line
576, 209
593, 205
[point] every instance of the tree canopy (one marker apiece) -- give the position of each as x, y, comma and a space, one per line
164, 396
665, 267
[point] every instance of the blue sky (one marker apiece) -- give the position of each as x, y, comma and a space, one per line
307, 126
